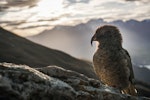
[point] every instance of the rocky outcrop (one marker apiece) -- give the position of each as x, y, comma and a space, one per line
21, 82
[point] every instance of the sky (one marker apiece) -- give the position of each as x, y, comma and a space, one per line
30, 17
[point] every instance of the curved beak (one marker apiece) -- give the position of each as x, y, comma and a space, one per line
93, 39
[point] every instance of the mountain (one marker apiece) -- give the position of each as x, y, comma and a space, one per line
142, 74
18, 50
75, 40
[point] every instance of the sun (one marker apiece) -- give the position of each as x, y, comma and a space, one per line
45, 7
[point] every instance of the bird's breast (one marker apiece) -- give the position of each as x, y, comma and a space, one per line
111, 68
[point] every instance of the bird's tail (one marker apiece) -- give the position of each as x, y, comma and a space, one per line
130, 90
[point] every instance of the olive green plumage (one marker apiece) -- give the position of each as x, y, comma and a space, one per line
112, 63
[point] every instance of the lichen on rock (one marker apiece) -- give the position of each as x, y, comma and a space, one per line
29, 83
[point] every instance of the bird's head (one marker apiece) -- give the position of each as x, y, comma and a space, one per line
107, 34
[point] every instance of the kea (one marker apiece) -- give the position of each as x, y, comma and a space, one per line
111, 62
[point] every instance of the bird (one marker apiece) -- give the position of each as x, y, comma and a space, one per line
111, 62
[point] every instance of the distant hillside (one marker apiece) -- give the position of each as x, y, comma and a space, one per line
142, 74
75, 40
18, 50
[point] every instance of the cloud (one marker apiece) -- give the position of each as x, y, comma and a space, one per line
70, 12
141, 1
78, 1
5, 4
68, 3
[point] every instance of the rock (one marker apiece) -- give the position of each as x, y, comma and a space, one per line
21, 82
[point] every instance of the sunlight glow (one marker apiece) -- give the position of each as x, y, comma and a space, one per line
47, 7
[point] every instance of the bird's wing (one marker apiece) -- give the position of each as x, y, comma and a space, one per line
131, 88
129, 66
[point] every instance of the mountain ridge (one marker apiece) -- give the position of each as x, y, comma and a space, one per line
15, 49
